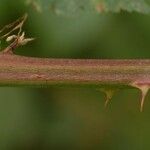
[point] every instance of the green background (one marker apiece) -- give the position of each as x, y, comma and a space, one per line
75, 118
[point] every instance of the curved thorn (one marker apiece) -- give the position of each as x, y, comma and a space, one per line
144, 90
109, 94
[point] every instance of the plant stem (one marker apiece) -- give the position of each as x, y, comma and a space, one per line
19, 70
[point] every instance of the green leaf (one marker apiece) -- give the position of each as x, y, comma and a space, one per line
71, 7
140, 6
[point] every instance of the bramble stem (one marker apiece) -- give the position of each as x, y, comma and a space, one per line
19, 70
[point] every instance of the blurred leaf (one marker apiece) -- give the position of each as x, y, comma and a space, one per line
118, 5
71, 7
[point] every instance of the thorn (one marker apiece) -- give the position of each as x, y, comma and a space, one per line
144, 90
109, 94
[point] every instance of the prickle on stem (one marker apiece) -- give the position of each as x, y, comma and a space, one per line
109, 94
144, 90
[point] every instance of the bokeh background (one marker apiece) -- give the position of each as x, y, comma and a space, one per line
74, 118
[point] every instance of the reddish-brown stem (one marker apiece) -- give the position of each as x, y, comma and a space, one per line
20, 70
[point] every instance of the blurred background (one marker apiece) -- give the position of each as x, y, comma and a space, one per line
74, 118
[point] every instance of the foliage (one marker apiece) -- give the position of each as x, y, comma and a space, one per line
77, 6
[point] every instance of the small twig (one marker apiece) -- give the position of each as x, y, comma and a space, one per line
19, 39
18, 24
